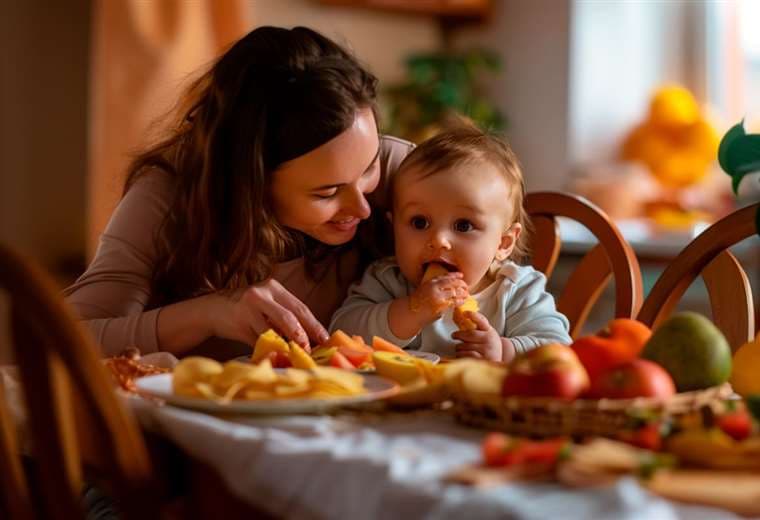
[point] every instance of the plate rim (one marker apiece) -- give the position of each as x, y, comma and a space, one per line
264, 407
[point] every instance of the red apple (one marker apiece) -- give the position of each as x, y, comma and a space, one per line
548, 371
637, 378
621, 341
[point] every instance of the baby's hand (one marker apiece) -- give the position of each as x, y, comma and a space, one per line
481, 343
437, 294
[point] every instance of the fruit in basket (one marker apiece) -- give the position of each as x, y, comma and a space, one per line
621, 341
714, 448
548, 371
637, 378
693, 351
647, 436
753, 405
737, 424
474, 376
745, 377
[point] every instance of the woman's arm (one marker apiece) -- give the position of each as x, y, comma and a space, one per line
110, 297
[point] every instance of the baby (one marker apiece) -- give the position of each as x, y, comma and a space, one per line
457, 204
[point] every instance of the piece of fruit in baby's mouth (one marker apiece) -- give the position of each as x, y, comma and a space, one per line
434, 269
469, 305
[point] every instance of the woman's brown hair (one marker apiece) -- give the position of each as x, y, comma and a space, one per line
459, 143
275, 95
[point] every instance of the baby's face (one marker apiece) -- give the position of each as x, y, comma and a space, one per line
458, 218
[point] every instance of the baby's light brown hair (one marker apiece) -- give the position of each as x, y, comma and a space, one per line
462, 143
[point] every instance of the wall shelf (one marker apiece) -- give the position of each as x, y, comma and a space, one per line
446, 10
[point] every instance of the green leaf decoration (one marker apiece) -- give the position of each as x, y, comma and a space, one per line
437, 85
739, 154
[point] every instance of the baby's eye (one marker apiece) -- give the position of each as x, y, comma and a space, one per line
419, 222
463, 226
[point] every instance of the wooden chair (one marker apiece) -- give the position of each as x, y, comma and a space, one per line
726, 281
611, 257
68, 397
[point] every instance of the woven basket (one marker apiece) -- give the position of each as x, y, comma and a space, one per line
548, 417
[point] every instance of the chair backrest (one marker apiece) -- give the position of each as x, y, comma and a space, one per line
68, 397
726, 282
611, 257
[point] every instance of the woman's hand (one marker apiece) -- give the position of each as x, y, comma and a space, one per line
481, 343
246, 313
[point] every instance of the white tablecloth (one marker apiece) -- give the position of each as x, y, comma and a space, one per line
380, 467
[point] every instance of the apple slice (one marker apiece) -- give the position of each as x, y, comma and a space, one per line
267, 343
383, 345
338, 360
461, 319
400, 368
299, 357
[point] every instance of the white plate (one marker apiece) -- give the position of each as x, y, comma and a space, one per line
160, 386
433, 358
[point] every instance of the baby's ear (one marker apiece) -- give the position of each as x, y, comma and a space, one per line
508, 241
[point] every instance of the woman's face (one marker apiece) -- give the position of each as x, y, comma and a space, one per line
322, 193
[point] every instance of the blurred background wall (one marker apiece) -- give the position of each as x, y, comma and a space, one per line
81, 81
44, 64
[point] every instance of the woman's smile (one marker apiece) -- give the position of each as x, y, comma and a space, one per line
344, 224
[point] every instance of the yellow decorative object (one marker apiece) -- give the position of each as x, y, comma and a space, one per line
673, 105
745, 376
672, 218
267, 343
676, 142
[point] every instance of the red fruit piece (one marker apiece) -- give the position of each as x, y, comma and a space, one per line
737, 425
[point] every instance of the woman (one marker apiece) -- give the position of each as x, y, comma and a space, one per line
247, 214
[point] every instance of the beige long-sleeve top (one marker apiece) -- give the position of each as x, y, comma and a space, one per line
111, 296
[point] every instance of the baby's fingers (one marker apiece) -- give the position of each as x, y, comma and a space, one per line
470, 336
468, 354
479, 320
